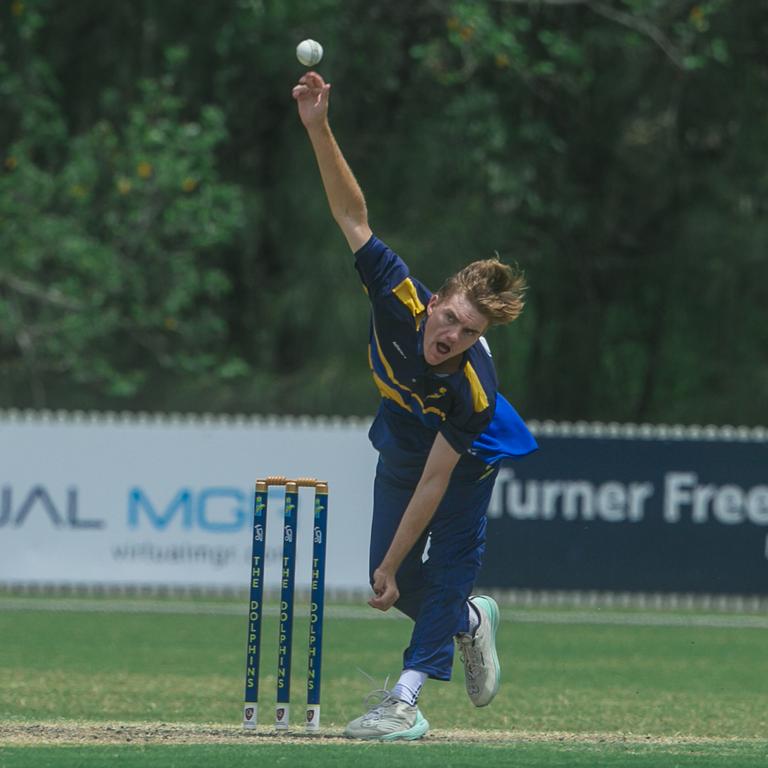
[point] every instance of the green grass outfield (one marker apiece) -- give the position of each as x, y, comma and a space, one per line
96, 681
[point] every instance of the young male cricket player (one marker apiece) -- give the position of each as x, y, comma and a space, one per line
441, 431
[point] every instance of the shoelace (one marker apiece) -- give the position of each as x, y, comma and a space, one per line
385, 698
471, 657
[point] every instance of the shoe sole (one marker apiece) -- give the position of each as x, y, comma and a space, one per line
420, 727
491, 608
416, 731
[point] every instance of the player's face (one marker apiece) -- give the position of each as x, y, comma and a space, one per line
453, 326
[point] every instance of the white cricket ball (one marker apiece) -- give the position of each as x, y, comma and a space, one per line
309, 52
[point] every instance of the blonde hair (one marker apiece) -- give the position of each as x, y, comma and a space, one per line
496, 290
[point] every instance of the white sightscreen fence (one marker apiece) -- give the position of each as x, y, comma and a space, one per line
110, 500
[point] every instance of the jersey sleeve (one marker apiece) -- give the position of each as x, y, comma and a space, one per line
379, 267
461, 430
474, 400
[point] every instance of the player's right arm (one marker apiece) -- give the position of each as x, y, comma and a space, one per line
341, 188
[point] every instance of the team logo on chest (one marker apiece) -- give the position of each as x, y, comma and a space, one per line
440, 392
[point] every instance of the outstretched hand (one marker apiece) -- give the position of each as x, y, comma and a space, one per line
311, 95
385, 590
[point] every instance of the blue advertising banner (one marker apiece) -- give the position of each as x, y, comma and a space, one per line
632, 514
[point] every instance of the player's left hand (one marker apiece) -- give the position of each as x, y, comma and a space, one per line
385, 590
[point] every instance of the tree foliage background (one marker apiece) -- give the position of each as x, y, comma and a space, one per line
165, 243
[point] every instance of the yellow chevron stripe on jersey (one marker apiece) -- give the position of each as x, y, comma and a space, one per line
385, 363
391, 376
479, 398
406, 292
392, 394
437, 411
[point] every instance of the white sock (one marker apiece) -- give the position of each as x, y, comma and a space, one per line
409, 686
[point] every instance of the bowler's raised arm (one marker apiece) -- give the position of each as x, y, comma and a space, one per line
342, 190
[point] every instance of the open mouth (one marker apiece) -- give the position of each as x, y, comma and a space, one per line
442, 348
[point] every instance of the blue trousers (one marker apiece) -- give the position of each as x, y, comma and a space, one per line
434, 587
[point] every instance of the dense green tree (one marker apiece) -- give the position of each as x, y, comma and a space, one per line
165, 243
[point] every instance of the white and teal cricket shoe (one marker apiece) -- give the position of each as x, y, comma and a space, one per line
482, 672
388, 720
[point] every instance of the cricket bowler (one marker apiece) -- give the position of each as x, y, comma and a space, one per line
441, 431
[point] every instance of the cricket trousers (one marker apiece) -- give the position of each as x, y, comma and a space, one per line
438, 574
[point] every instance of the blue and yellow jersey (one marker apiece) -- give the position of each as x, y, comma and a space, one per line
464, 406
